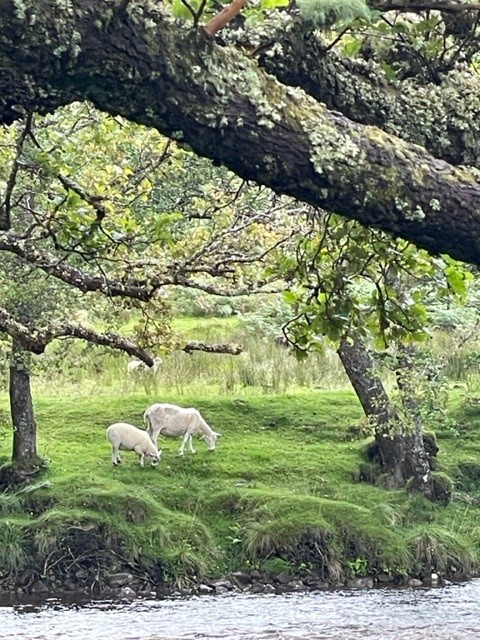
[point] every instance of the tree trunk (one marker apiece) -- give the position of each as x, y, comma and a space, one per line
420, 470
401, 450
21, 409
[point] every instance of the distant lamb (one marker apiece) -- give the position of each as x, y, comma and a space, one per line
173, 421
122, 435
138, 368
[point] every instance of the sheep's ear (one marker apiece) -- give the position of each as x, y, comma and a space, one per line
215, 433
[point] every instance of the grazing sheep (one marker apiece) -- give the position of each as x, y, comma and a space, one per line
122, 435
138, 368
140, 375
173, 421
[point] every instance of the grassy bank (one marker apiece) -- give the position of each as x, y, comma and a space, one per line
280, 493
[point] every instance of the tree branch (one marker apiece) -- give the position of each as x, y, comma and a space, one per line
112, 340
37, 341
226, 15
146, 68
139, 290
439, 117
5, 206
419, 6
222, 347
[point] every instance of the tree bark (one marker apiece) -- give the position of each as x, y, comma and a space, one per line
440, 117
401, 450
21, 409
131, 58
420, 469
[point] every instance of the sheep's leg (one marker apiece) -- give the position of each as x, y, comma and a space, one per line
186, 436
115, 456
190, 444
153, 433
153, 437
141, 455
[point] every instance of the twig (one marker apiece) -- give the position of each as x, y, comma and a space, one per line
5, 207
226, 15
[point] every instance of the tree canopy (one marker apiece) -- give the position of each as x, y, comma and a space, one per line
369, 138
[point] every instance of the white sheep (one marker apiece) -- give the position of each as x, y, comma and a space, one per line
122, 435
138, 368
142, 375
173, 421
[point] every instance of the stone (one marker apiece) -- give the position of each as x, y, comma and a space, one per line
204, 588
269, 588
295, 585
39, 586
226, 584
119, 580
70, 585
257, 588
220, 590
241, 578
359, 583
283, 578
383, 577
127, 592
319, 585
414, 582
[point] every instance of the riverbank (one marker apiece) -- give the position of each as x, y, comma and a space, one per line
277, 507
125, 585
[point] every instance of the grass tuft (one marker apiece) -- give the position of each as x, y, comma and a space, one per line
444, 552
15, 553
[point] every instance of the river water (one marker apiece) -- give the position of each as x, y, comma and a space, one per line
447, 613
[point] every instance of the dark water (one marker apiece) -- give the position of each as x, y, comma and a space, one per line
447, 613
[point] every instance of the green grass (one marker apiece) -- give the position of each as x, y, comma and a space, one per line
279, 489
73, 368
205, 328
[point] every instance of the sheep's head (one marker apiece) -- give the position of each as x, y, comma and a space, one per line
211, 439
155, 458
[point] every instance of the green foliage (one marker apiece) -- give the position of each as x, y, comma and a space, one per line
122, 203
351, 279
267, 5
179, 9
275, 566
185, 564
407, 46
442, 487
196, 303
321, 13
358, 567
351, 46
